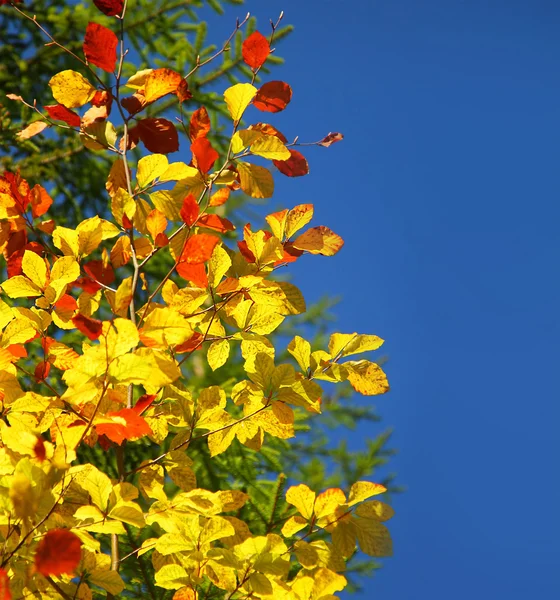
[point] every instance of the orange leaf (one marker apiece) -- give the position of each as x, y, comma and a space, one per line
269, 130
319, 240
190, 210
216, 222
200, 124
58, 112
100, 47
185, 593
161, 82
195, 273
255, 50
40, 201
199, 248
127, 425
158, 135
91, 328
134, 104
42, 371
143, 403
5, 593
204, 155
273, 96
99, 271
58, 553
111, 8
220, 197
156, 223
32, 130
330, 139
295, 166
192, 344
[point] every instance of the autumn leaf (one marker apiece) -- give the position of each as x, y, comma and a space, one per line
295, 166
59, 112
255, 50
32, 130
5, 593
159, 135
161, 82
91, 328
111, 8
100, 47
204, 155
190, 210
215, 222
71, 89
319, 240
256, 181
330, 139
40, 201
200, 124
273, 96
199, 248
125, 424
238, 97
58, 553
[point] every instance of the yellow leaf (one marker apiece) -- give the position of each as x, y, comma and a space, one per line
71, 89
178, 170
150, 168
362, 490
131, 368
293, 525
109, 580
20, 287
65, 270
172, 577
23, 496
99, 135
326, 583
375, 510
128, 512
344, 538
165, 327
302, 498
151, 481
353, 343
300, 349
255, 181
297, 218
219, 264
66, 239
218, 353
238, 97
122, 203
374, 538
167, 204
32, 130
366, 377
117, 177
319, 240
243, 139
269, 146
138, 80
277, 222
6, 314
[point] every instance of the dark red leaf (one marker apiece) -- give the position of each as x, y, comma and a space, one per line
42, 371
91, 328
40, 452
100, 47
58, 112
255, 50
99, 271
273, 96
158, 135
111, 8
295, 166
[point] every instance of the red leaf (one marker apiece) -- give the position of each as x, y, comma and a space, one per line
40, 454
192, 344
158, 135
200, 124
330, 139
40, 201
199, 248
58, 553
42, 371
134, 104
66, 302
17, 350
273, 96
102, 98
127, 425
100, 47
143, 403
99, 271
91, 328
291, 254
269, 130
255, 50
205, 156
58, 112
190, 210
216, 223
295, 166
195, 273
111, 8
5, 593
245, 252
182, 92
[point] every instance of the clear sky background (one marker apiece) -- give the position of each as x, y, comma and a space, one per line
446, 190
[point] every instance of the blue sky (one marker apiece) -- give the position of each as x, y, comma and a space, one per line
446, 191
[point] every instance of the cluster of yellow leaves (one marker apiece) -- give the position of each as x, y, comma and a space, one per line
126, 378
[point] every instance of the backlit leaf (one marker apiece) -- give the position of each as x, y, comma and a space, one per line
238, 97
273, 96
111, 8
161, 82
295, 166
150, 168
158, 135
59, 552
255, 50
100, 47
256, 181
32, 130
319, 240
199, 124
71, 89
218, 353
